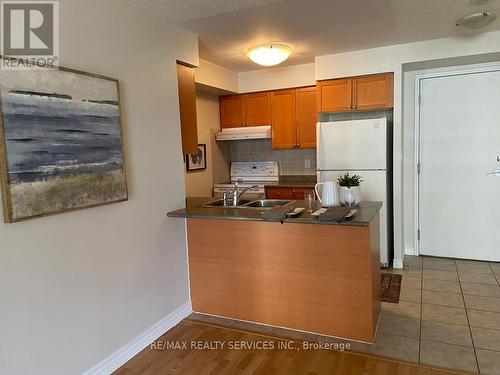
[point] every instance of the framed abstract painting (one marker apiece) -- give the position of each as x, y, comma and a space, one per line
61, 142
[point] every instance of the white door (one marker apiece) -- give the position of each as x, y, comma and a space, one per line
373, 188
459, 205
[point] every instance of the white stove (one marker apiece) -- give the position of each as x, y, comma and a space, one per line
247, 174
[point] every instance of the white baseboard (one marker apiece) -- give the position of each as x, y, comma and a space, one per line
127, 352
410, 251
397, 263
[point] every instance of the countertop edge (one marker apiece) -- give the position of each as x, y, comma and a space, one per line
369, 209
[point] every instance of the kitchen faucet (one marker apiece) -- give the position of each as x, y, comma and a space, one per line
236, 196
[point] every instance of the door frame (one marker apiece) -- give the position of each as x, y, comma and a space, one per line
419, 79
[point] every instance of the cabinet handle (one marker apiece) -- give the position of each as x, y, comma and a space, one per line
349, 107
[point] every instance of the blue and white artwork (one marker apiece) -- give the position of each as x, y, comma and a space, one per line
62, 142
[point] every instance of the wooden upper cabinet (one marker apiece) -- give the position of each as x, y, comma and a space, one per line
373, 92
231, 111
334, 95
283, 119
294, 118
306, 117
356, 93
187, 107
257, 109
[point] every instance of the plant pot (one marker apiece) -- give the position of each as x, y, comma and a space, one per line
349, 196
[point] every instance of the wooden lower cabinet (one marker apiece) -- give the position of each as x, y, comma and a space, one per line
318, 278
279, 193
296, 193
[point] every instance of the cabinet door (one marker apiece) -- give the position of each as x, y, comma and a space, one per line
334, 95
373, 92
279, 193
187, 108
298, 193
231, 111
306, 117
283, 119
257, 109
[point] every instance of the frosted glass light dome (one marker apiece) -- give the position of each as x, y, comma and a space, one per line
477, 20
269, 54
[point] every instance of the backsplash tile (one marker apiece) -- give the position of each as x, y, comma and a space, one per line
291, 162
221, 159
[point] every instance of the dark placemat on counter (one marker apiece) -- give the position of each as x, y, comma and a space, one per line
334, 214
391, 287
277, 213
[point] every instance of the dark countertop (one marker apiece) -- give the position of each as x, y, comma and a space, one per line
304, 181
195, 210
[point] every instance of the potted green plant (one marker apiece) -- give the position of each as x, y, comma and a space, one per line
350, 191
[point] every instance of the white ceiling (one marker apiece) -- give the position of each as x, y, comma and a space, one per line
226, 28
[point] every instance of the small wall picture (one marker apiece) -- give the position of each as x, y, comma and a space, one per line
197, 161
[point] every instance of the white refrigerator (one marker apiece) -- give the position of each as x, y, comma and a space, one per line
361, 147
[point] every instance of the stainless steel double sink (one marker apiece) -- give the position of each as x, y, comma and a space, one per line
260, 203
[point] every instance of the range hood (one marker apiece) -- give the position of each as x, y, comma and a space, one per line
248, 132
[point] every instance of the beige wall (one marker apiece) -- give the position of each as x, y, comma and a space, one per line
200, 184
76, 287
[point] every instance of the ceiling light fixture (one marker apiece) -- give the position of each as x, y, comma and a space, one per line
269, 54
477, 20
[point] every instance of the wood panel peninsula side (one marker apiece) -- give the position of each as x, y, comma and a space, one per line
304, 274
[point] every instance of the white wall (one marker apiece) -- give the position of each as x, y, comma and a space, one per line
199, 183
216, 76
213, 75
391, 59
76, 287
277, 78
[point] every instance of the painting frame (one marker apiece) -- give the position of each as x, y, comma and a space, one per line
197, 167
5, 185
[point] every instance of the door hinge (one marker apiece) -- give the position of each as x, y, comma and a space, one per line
418, 235
420, 100
418, 168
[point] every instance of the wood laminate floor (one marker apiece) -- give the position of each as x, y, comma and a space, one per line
202, 348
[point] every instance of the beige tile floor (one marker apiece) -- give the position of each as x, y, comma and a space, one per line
448, 315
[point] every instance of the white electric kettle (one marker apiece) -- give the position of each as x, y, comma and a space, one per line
329, 196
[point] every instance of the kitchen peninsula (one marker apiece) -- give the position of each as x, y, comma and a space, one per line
304, 274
